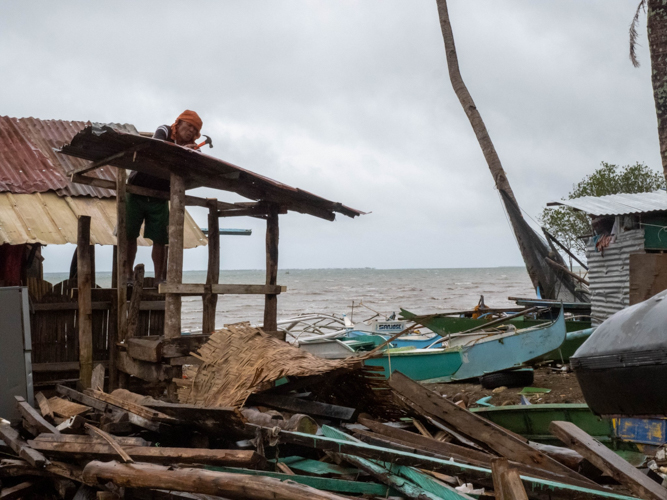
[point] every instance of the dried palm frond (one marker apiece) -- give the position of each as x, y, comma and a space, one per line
240, 359
634, 34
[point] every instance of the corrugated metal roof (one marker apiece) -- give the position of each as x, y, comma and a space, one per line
159, 158
609, 274
29, 164
52, 220
618, 204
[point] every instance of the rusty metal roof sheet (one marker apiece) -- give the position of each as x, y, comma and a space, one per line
160, 158
29, 164
618, 204
52, 220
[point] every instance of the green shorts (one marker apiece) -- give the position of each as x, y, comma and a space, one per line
152, 210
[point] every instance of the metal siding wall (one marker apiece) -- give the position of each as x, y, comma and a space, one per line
609, 275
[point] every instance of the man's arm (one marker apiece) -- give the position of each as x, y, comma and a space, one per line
161, 133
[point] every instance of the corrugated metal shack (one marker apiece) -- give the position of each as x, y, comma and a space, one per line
39, 205
626, 255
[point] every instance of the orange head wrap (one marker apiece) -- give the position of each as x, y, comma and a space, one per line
192, 118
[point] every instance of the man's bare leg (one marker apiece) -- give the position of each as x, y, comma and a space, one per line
158, 254
131, 255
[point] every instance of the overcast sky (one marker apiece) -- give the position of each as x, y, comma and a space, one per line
351, 100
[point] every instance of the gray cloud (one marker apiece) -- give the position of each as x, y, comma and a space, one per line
351, 100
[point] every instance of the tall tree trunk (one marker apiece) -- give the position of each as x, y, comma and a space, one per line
468, 104
657, 42
534, 251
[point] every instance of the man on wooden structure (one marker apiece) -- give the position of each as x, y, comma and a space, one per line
155, 211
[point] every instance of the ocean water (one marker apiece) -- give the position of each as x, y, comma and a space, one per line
423, 291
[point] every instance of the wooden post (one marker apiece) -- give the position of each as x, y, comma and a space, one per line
85, 313
92, 266
135, 301
172, 306
114, 267
210, 300
271, 301
112, 338
121, 266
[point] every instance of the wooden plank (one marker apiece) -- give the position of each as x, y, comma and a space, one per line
17, 468
84, 439
129, 406
153, 454
172, 312
85, 311
20, 447
295, 405
203, 289
150, 372
512, 486
321, 483
194, 413
97, 379
114, 410
67, 409
20, 490
562, 488
43, 403
271, 301
500, 440
210, 300
499, 466
208, 482
35, 420
647, 276
145, 349
66, 366
135, 302
185, 360
607, 461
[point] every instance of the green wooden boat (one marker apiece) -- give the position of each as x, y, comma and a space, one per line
631, 438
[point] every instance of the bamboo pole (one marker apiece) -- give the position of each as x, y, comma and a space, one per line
210, 300
271, 301
172, 312
85, 312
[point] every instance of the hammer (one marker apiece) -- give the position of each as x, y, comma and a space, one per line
207, 141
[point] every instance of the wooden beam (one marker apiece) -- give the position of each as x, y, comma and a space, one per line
135, 302
121, 241
85, 311
154, 193
20, 447
44, 407
110, 440
35, 421
135, 408
497, 438
271, 301
172, 312
145, 349
227, 485
295, 405
184, 345
607, 461
210, 300
153, 454
21, 490
105, 161
112, 409
201, 289
86, 439
150, 372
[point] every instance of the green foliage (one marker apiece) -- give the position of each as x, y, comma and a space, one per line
566, 224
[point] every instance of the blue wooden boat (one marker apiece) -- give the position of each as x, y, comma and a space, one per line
481, 355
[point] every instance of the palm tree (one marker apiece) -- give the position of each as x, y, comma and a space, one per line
548, 278
656, 29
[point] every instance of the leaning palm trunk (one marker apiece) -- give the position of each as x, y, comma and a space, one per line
548, 280
657, 42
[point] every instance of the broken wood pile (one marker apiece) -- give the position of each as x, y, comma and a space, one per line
317, 434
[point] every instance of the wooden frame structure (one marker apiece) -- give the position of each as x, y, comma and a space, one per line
159, 359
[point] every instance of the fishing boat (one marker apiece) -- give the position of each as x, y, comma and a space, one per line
483, 353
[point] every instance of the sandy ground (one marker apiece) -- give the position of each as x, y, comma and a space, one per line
564, 389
